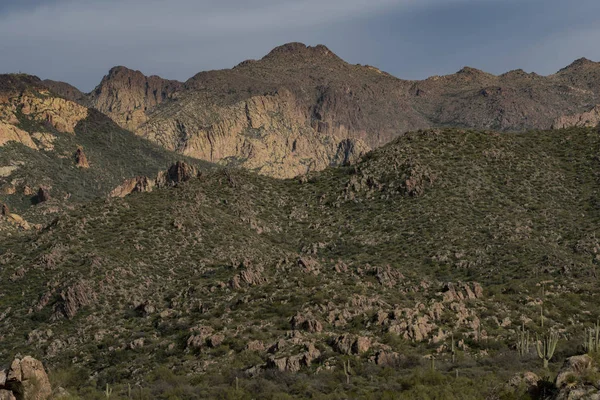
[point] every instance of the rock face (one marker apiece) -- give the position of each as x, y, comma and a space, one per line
27, 97
126, 96
26, 379
586, 119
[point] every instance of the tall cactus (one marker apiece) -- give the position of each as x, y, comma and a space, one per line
546, 347
523, 343
108, 392
592, 339
347, 371
453, 349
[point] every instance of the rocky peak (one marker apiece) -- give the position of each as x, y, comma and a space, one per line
579, 64
300, 50
125, 95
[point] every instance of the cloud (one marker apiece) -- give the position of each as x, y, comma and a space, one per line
79, 40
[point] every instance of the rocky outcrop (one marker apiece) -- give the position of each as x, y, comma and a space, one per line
349, 344
349, 151
81, 160
306, 323
34, 102
177, 173
11, 133
524, 382
17, 221
578, 379
462, 291
63, 115
586, 119
126, 95
138, 184
43, 194
199, 337
250, 275
74, 298
296, 362
25, 379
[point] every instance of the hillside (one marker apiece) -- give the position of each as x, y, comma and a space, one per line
236, 285
302, 108
74, 153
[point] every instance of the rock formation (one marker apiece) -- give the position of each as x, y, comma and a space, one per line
43, 194
81, 160
137, 184
586, 119
27, 97
578, 379
178, 173
126, 96
25, 379
73, 298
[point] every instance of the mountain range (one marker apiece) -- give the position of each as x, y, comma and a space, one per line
302, 108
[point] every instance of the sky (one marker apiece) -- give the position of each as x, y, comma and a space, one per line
78, 41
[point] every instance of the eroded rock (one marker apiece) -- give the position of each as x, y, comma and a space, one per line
26, 379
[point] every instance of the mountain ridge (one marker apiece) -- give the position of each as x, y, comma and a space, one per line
306, 102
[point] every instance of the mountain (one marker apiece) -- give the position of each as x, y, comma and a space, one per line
409, 274
72, 152
302, 108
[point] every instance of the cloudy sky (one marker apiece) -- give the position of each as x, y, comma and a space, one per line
78, 41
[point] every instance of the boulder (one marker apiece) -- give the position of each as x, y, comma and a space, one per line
26, 379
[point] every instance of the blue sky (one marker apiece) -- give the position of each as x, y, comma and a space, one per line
78, 41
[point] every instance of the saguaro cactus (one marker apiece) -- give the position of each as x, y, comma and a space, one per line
523, 341
108, 391
453, 350
592, 339
546, 347
347, 372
